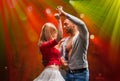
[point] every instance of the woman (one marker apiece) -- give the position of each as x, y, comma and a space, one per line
49, 39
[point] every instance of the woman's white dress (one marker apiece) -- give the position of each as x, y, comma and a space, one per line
50, 74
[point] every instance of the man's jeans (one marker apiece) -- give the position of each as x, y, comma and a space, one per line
82, 76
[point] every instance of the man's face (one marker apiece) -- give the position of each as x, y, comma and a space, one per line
68, 26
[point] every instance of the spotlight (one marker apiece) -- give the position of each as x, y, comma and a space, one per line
29, 8
6, 67
82, 15
48, 11
92, 36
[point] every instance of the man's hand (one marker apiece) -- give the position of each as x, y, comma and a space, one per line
60, 10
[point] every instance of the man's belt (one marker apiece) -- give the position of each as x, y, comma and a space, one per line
77, 70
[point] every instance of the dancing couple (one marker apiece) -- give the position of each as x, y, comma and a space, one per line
68, 53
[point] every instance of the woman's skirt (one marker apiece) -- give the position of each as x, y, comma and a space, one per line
50, 74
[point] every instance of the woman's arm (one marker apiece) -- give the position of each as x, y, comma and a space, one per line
60, 31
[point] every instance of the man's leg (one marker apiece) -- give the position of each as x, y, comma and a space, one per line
69, 77
83, 76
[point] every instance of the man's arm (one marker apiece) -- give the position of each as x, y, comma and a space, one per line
80, 24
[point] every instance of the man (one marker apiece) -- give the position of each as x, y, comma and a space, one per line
74, 48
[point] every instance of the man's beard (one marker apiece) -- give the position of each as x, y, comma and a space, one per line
68, 31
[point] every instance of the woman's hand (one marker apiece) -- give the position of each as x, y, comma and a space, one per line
57, 16
64, 64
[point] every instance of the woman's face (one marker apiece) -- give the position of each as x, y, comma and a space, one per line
50, 33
